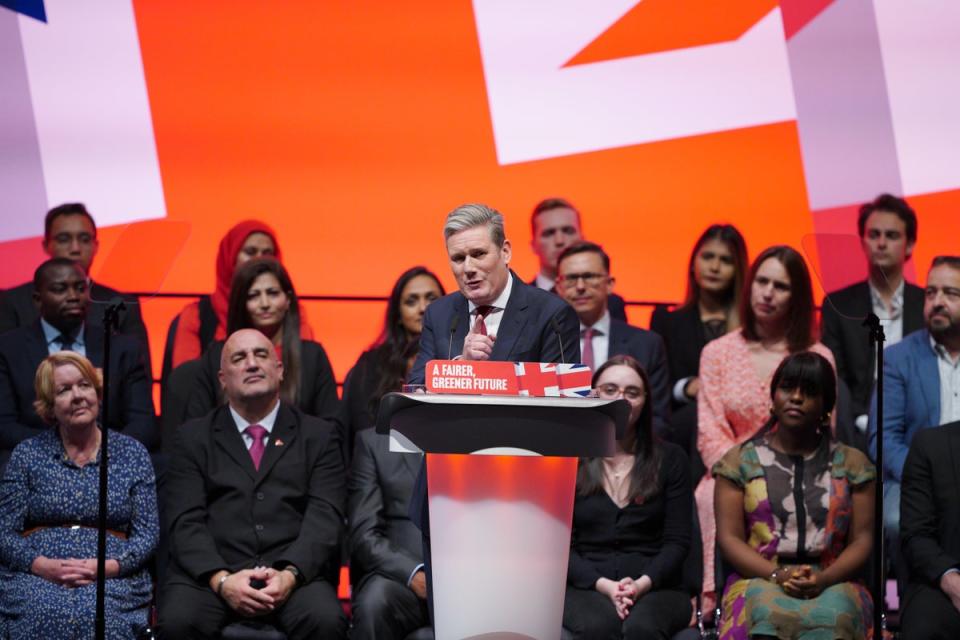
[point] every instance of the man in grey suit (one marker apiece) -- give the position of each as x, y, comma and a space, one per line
386, 557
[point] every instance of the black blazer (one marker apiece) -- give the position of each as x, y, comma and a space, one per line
318, 388
526, 332
683, 335
224, 514
383, 540
18, 310
615, 304
131, 402
850, 341
647, 347
651, 538
930, 505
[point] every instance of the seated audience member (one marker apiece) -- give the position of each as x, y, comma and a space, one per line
202, 322
777, 319
385, 366
584, 281
631, 526
386, 554
69, 231
931, 536
888, 233
921, 383
795, 566
62, 297
255, 504
49, 512
263, 298
555, 225
718, 265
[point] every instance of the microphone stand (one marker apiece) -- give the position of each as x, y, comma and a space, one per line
111, 321
872, 322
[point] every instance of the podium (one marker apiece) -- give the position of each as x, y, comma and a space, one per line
501, 475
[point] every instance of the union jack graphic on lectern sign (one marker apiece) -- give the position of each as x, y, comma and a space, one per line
553, 380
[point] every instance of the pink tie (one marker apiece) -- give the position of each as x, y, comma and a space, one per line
482, 312
256, 432
588, 348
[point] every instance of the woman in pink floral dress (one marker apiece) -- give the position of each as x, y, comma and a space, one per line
777, 315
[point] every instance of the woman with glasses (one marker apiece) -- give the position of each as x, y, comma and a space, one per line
631, 526
795, 514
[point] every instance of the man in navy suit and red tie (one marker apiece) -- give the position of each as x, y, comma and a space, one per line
494, 316
584, 281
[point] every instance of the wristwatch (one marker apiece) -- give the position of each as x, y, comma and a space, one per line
297, 576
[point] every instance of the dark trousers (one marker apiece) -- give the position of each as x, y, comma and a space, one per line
384, 609
196, 612
928, 614
589, 615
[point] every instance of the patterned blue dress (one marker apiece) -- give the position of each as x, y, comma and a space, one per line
43, 487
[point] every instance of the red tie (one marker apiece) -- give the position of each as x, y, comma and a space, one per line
588, 348
256, 432
482, 312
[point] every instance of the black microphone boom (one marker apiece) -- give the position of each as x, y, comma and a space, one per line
556, 329
453, 329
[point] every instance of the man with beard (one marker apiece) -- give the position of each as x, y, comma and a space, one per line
921, 383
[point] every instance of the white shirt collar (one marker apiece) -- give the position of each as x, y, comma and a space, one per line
501, 301
880, 306
602, 325
266, 422
545, 283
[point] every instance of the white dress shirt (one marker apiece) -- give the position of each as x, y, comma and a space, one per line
601, 339
492, 319
949, 369
266, 423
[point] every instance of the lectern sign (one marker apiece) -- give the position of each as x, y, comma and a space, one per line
484, 377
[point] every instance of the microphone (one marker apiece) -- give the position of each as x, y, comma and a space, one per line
556, 329
453, 329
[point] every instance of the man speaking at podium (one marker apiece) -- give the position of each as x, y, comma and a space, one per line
494, 316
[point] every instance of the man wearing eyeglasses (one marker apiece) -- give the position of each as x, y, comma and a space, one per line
583, 280
70, 232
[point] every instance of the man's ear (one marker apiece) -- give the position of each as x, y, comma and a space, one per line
612, 281
507, 251
36, 300
223, 386
908, 251
280, 368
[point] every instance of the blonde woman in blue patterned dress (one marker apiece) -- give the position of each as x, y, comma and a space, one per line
48, 516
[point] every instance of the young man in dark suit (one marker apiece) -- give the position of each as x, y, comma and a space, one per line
69, 231
584, 281
888, 233
255, 508
62, 297
386, 554
931, 535
554, 226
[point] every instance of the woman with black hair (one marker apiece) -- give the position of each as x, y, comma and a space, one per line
632, 518
795, 516
384, 366
262, 297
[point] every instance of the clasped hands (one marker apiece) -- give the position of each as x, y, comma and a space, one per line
250, 601
624, 593
71, 572
800, 582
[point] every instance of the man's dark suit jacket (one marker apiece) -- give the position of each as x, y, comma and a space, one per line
647, 347
18, 310
843, 333
383, 540
318, 388
615, 304
930, 506
225, 514
22, 350
526, 332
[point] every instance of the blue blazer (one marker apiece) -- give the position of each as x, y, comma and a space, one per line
526, 333
647, 347
911, 399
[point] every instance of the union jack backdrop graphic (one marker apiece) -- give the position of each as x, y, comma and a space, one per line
547, 379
